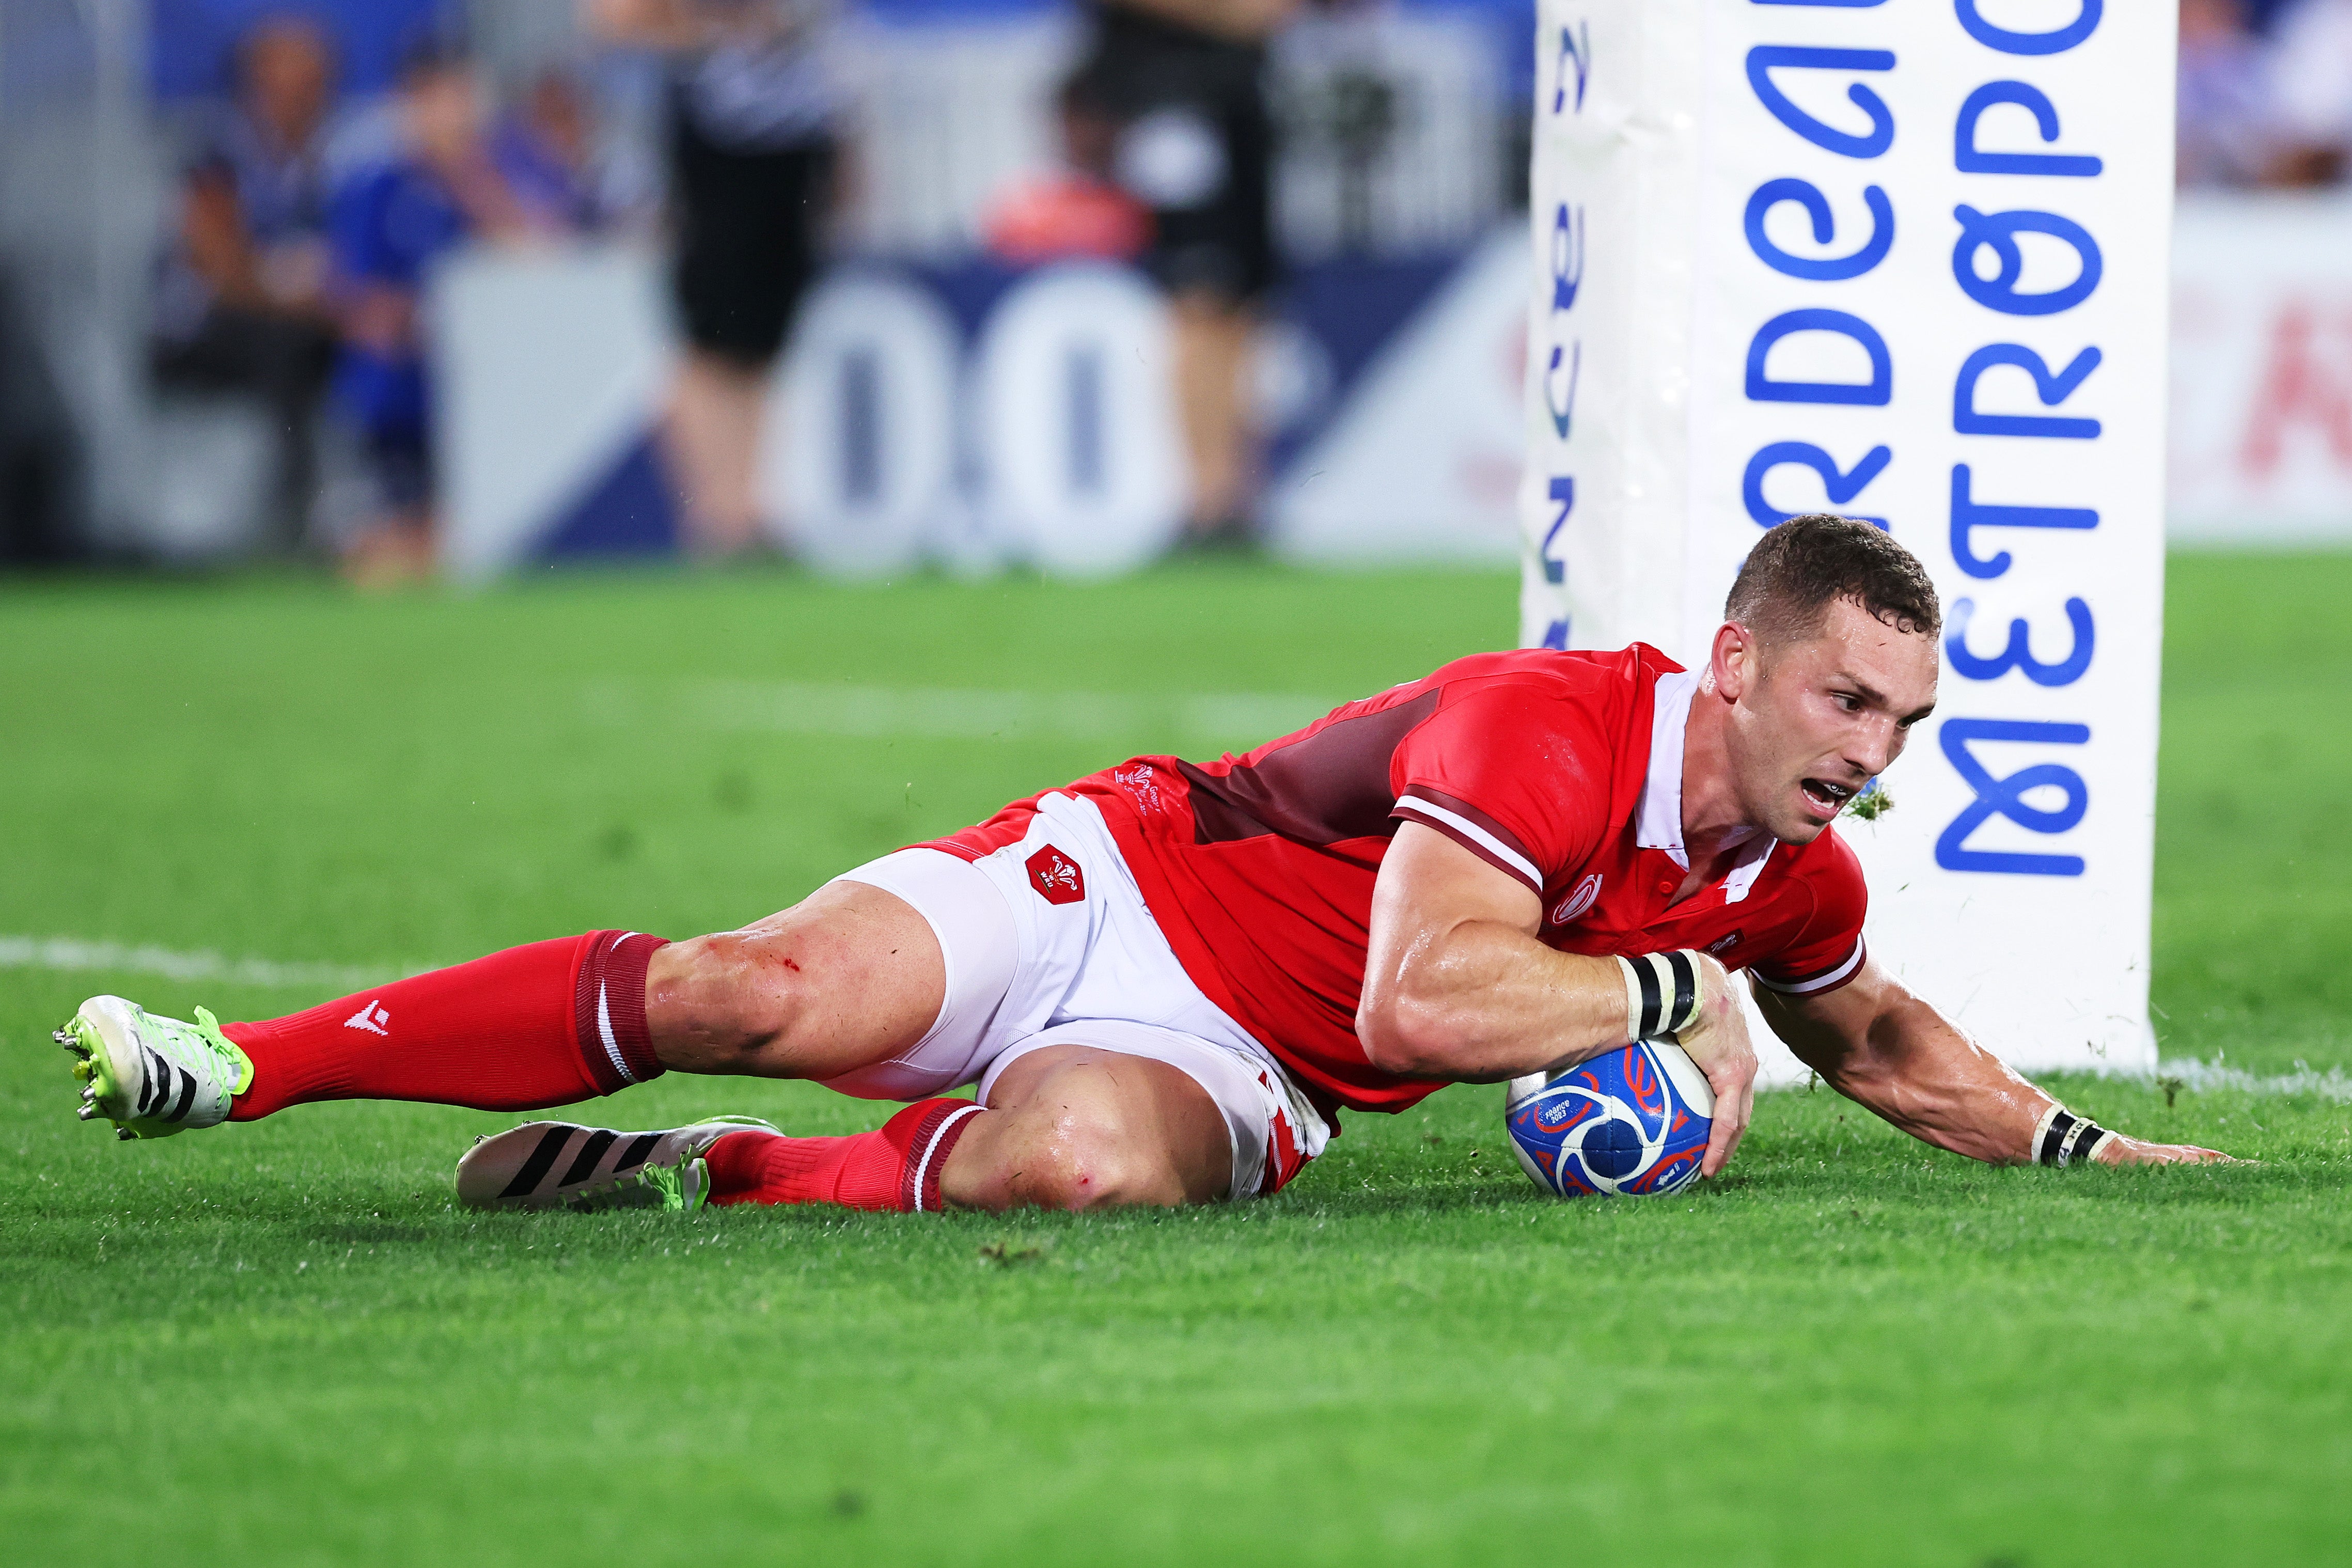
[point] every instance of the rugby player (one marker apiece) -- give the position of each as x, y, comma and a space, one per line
1168, 980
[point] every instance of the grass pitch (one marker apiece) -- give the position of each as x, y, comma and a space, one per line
280, 1344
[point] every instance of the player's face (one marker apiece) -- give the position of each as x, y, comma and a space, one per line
1818, 719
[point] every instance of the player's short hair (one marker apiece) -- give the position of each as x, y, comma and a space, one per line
1806, 565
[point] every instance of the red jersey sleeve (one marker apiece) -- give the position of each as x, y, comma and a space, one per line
1827, 950
1513, 773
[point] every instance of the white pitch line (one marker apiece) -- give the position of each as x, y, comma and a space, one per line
2205, 1078
882, 712
68, 954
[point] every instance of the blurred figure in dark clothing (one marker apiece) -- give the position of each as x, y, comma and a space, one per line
754, 111
43, 503
392, 222
242, 305
1186, 79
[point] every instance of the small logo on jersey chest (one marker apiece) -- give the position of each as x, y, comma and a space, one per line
1587, 894
1055, 877
1141, 784
1723, 944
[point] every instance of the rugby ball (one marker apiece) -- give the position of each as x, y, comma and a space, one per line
1628, 1122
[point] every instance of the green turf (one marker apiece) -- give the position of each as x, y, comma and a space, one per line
280, 1344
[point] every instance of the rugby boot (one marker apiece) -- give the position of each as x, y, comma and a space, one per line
151, 1076
559, 1165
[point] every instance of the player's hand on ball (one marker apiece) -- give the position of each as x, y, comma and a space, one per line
2123, 1151
1717, 1040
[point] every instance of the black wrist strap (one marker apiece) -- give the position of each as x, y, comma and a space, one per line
1661, 993
2064, 1137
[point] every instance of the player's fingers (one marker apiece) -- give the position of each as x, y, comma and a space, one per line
1747, 1109
2131, 1154
1734, 1082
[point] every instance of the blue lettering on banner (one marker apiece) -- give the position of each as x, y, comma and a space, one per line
1563, 491
1998, 232
1567, 255
1563, 408
2006, 797
2052, 389
1827, 269
1765, 58
1840, 486
1969, 514
2019, 653
1875, 393
1969, 159
1575, 54
1572, 61
2055, 42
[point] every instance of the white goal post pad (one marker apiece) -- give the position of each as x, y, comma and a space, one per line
1904, 259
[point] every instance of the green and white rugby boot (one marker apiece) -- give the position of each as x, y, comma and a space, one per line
559, 1165
150, 1076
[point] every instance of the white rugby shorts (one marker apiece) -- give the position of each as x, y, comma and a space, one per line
1047, 941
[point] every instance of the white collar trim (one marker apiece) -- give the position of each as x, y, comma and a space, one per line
1660, 826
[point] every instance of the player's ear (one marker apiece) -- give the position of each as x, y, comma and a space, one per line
1731, 661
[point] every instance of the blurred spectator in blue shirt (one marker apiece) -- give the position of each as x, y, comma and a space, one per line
2311, 75
393, 223
242, 306
544, 145
2225, 136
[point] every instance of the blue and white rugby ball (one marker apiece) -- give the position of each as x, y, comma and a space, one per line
1631, 1122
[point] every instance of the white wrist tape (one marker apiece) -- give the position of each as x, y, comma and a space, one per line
2063, 1138
1661, 993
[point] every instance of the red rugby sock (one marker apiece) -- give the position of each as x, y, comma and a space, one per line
896, 1166
544, 1025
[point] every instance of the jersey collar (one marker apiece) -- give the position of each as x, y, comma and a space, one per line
1660, 826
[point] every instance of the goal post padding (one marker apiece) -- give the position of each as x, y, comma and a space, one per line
1908, 262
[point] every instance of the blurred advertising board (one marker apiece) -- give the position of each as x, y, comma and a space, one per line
1908, 263
972, 414
2261, 369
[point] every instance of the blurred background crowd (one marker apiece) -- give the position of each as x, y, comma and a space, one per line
2265, 92
220, 219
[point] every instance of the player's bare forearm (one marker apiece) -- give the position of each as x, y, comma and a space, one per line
1878, 1045
1455, 985
1479, 1002
1892, 1052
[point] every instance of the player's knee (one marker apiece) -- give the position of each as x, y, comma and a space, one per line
1082, 1151
1093, 1171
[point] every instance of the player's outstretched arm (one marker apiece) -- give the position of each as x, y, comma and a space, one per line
1881, 1045
1457, 987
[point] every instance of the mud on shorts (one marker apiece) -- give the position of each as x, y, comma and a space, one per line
1047, 941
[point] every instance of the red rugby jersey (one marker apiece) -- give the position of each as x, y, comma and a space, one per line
1259, 869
